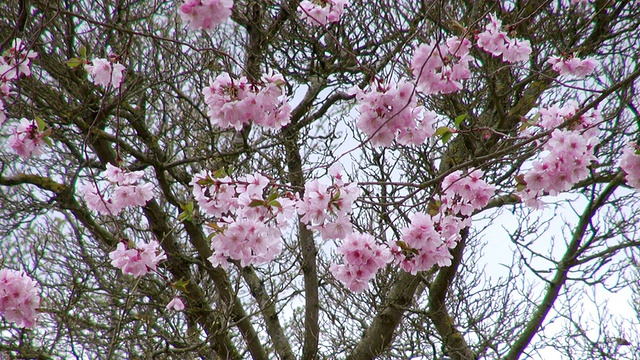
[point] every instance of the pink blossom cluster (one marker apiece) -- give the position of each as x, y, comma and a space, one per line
554, 116
123, 191
427, 241
327, 208
439, 69
205, 14
497, 42
138, 260
570, 65
19, 298
14, 63
392, 111
234, 103
630, 163
363, 258
105, 72
27, 139
463, 194
569, 154
249, 213
322, 12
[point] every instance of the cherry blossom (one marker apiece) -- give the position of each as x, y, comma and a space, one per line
137, 261
422, 246
205, 14
123, 191
392, 111
235, 103
105, 72
250, 241
497, 42
19, 298
554, 116
322, 12
570, 65
630, 163
16, 61
516, 51
249, 214
439, 69
465, 193
27, 139
363, 258
569, 154
175, 304
326, 208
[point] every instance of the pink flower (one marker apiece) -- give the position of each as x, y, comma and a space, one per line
493, 40
19, 298
17, 61
123, 191
439, 69
516, 51
392, 110
568, 156
363, 258
422, 246
27, 139
326, 209
175, 304
465, 193
137, 261
235, 103
250, 241
105, 73
573, 66
497, 42
316, 14
630, 163
132, 195
205, 14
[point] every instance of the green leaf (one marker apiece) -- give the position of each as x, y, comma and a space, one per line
181, 285
273, 196
187, 212
460, 119
442, 130
433, 208
220, 173
275, 203
204, 182
82, 51
74, 62
336, 196
446, 137
256, 203
187, 207
47, 140
41, 124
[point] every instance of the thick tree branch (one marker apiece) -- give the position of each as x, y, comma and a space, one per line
452, 339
